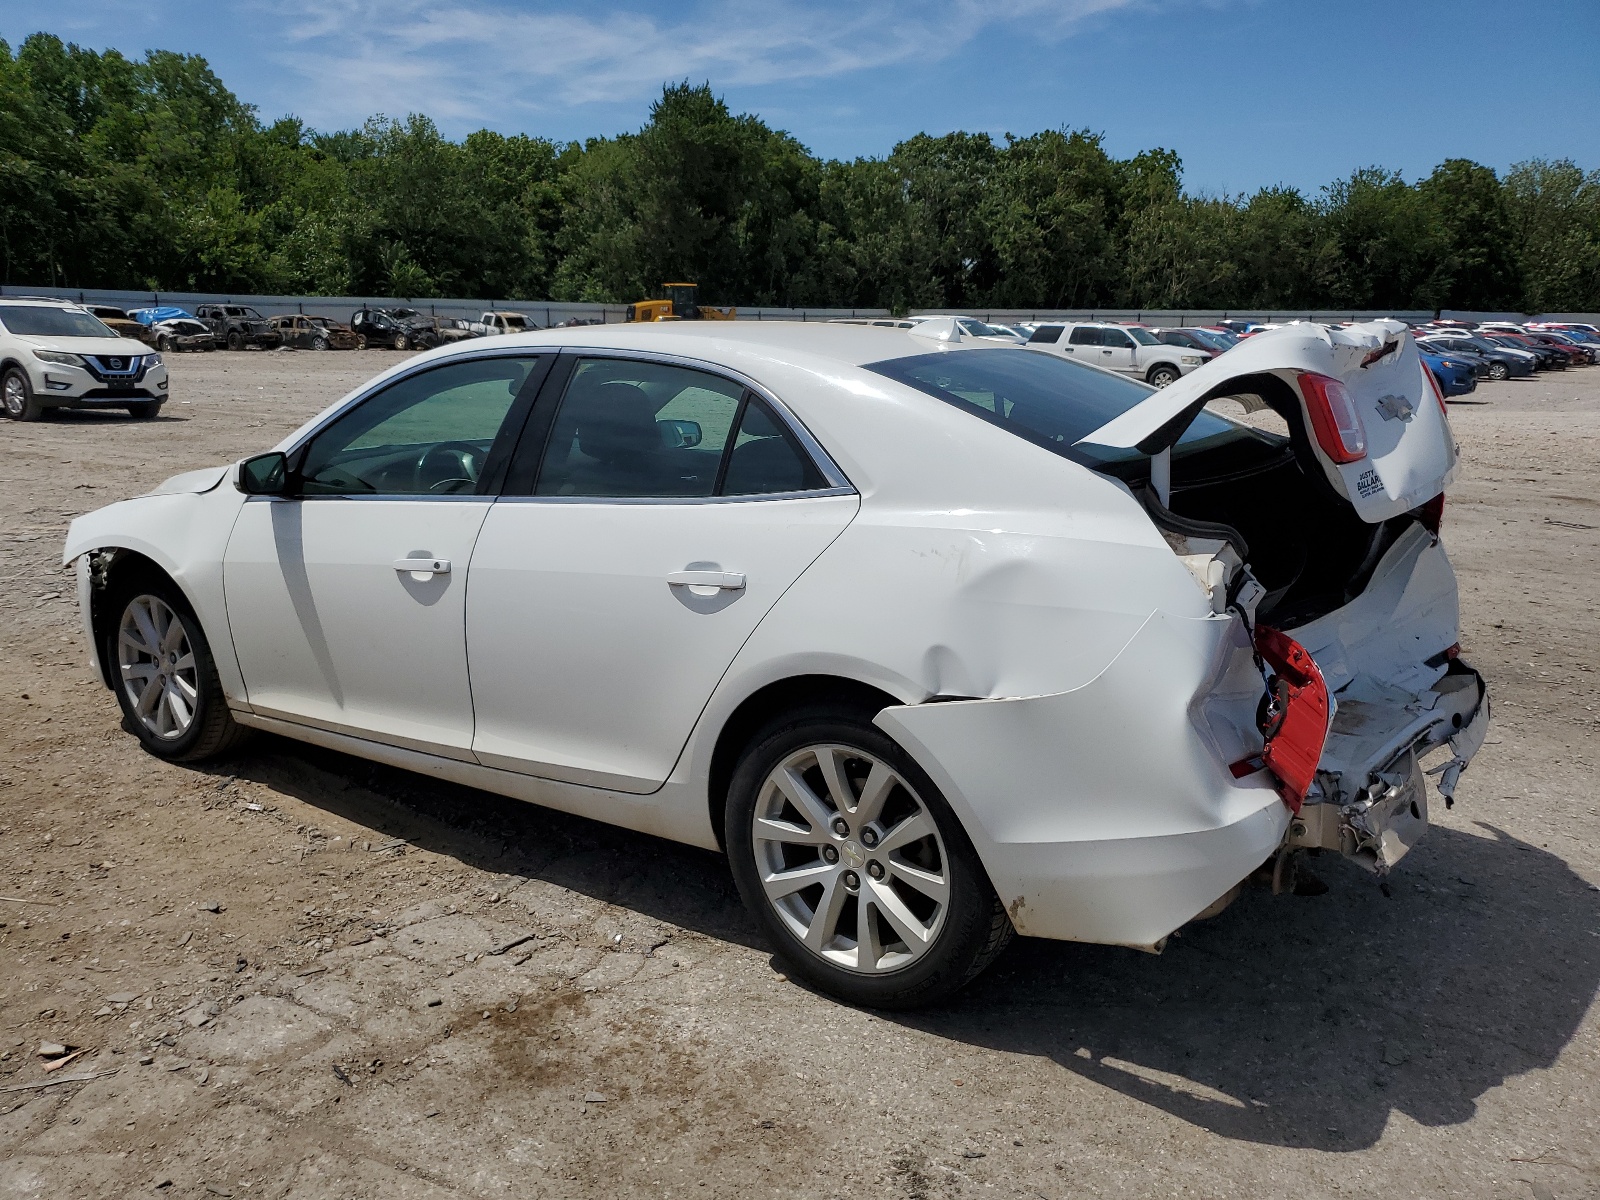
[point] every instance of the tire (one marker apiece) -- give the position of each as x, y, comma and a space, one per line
1162, 374
319, 343
145, 410
400, 342
236, 341
361, 341
1498, 371
16, 392
164, 344
963, 934
210, 729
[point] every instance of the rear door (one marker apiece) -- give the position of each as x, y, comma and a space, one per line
654, 512
1409, 452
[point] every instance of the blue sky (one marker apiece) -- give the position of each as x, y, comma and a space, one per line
1248, 92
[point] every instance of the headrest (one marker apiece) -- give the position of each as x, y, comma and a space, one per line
618, 421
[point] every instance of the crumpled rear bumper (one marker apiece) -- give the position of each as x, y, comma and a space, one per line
1108, 813
1370, 802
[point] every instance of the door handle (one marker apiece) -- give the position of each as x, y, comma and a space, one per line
422, 566
1105, 352
728, 581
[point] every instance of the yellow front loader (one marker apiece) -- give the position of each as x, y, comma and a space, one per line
681, 303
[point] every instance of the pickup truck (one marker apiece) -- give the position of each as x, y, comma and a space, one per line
1128, 349
492, 323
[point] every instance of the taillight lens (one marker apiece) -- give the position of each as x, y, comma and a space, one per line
1437, 394
1334, 418
1431, 514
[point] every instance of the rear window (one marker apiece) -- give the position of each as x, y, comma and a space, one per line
1046, 400
40, 321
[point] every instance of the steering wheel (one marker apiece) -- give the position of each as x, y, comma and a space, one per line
447, 467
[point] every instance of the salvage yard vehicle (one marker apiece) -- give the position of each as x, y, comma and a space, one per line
1454, 375
395, 328
1501, 362
1126, 349
936, 639
183, 333
238, 326
453, 329
54, 354
314, 333
119, 322
492, 324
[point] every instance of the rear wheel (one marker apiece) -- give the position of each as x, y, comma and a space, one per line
861, 875
17, 394
361, 341
1161, 375
166, 680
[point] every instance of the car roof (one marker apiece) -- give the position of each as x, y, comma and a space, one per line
795, 342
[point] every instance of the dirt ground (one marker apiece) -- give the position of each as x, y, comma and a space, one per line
340, 1025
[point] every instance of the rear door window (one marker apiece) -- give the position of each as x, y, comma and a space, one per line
632, 429
1085, 336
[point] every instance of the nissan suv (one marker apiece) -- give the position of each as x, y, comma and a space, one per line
58, 355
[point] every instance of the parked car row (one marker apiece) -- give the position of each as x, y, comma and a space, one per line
241, 327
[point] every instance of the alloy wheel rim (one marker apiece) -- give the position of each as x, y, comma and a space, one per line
158, 668
15, 397
851, 859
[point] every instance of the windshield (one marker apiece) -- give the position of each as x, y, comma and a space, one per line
27, 319
1049, 401
1143, 336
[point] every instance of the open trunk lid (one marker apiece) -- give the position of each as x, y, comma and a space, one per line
1381, 435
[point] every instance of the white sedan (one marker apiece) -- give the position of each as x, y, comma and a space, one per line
936, 639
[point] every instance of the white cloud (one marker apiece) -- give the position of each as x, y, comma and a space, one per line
496, 62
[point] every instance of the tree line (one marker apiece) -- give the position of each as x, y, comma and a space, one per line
150, 174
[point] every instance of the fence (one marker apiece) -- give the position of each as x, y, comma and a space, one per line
555, 312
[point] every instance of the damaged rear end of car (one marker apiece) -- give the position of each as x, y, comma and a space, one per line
1323, 542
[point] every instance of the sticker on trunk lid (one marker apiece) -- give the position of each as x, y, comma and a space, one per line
1368, 483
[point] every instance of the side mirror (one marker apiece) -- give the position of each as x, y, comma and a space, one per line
264, 475
680, 434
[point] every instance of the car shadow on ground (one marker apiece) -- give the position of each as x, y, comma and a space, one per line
1307, 1021
681, 885
1291, 1021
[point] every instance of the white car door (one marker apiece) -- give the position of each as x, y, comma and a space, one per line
660, 512
331, 625
1116, 351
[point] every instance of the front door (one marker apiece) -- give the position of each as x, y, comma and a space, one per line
663, 511
332, 623
1116, 350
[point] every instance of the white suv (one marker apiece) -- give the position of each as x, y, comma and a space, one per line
1126, 349
57, 355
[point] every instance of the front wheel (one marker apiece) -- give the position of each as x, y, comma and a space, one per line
361, 341
319, 343
1498, 370
400, 342
145, 409
167, 682
862, 877
1161, 376
164, 344
235, 341
17, 394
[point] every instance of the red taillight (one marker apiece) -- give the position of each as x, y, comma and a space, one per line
1437, 394
1431, 514
1334, 418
